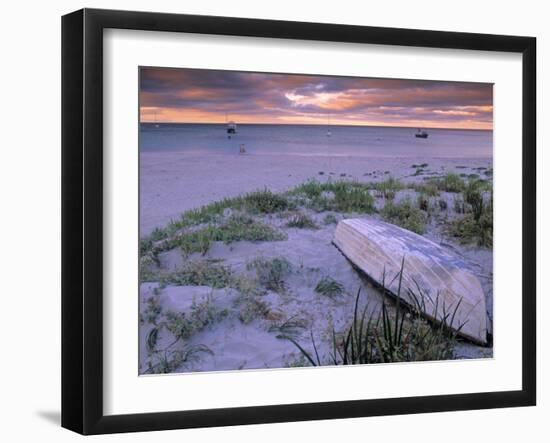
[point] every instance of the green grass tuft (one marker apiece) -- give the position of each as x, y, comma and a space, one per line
266, 202
341, 196
238, 227
199, 273
301, 221
428, 188
388, 187
450, 183
474, 197
271, 273
329, 287
467, 229
179, 326
406, 215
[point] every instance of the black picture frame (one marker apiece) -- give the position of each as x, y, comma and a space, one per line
82, 218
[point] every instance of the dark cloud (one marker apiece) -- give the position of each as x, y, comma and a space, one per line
346, 98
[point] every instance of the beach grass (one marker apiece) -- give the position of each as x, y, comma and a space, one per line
198, 273
183, 325
250, 304
341, 195
398, 333
301, 221
467, 229
290, 327
329, 287
429, 188
266, 202
238, 227
251, 308
151, 312
405, 214
388, 187
148, 264
474, 197
257, 202
271, 273
451, 182
166, 361
180, 326
476, 225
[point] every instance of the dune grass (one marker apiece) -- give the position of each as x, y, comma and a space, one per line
406, 215
329, 287
428, 188
198, 273
237, 227
451, 182
341, 196
290, 327
271, 273
468, 230
179, 327
301, 221
250, 308
476, 225
388, 187
393, 335
266, 202
257, 202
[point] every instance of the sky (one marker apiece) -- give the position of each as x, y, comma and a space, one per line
211, 96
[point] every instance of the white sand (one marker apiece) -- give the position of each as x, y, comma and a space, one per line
171, 182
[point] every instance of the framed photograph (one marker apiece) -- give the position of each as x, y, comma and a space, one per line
269, 221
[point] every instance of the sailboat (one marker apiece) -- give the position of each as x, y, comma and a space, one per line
156, 124
328, 128
231, 127
421, 134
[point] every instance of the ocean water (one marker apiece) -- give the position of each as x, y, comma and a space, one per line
305, 140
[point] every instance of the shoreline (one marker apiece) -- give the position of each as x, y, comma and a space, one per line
173, 182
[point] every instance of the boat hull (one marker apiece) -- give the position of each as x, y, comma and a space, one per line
441, 281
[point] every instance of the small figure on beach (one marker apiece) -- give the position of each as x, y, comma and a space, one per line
241, 149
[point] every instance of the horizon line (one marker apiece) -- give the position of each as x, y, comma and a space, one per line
317, 124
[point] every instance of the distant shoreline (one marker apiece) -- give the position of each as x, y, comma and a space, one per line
208, 154
314, 124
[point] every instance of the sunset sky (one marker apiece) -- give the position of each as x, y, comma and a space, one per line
207, 96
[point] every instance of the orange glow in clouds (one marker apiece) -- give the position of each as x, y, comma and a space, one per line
204, 96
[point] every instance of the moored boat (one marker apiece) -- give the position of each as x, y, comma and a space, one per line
231, 128
421, 134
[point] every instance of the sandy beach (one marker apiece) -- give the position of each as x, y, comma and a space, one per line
173, 182
234, 318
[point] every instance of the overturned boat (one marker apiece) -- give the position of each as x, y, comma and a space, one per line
435, 281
